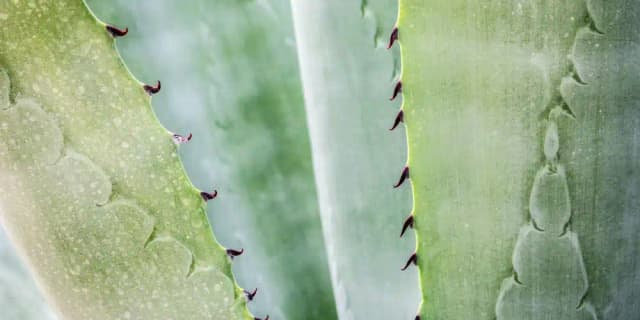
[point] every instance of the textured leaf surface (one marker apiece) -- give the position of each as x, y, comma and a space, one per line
229, 75
523, 131
93, 192
601, 154
347, 76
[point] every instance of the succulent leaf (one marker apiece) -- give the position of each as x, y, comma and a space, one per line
522, 125
348, 79
512, 106
93, 192
230, 75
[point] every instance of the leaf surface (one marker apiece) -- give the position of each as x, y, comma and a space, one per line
230, 76
348, 78
521, 148
93, 192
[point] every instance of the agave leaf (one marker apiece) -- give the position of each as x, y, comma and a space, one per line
522, 127
347, 76
601, 154
93, 193
229, 75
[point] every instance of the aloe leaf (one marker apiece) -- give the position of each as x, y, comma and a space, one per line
601, 154
93, 193
229, 75
348, 76
522, 124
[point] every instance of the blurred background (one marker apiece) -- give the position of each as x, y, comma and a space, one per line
19, 296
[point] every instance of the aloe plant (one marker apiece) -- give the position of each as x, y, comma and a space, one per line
346, 71
216, 62
102, 225
521, 132
522, 126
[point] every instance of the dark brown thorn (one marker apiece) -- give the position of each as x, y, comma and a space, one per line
403, 176
393, 37
396, 90
180, 139
592, 27
535, 225
256, 318
407, 223
234, 253
209, 195
116, 32
251, 294
399, 118
417, 317
151, 90
516, 278
413, 259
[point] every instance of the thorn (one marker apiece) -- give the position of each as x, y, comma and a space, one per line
403, 176
152, 236
234, 253
399, 118
592, 26
116, 32
179, 139
413, 259
516, 278
417, 317
535, 225
256, 318
396, 90
151, 90
407, 223
209, 196
393, 37
252, 294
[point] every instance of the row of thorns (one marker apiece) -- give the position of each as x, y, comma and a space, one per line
116, 32
404, 175
206, 196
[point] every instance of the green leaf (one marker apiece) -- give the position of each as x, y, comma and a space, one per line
348, 78
230, 76
601, 154
521, 172
93, 192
